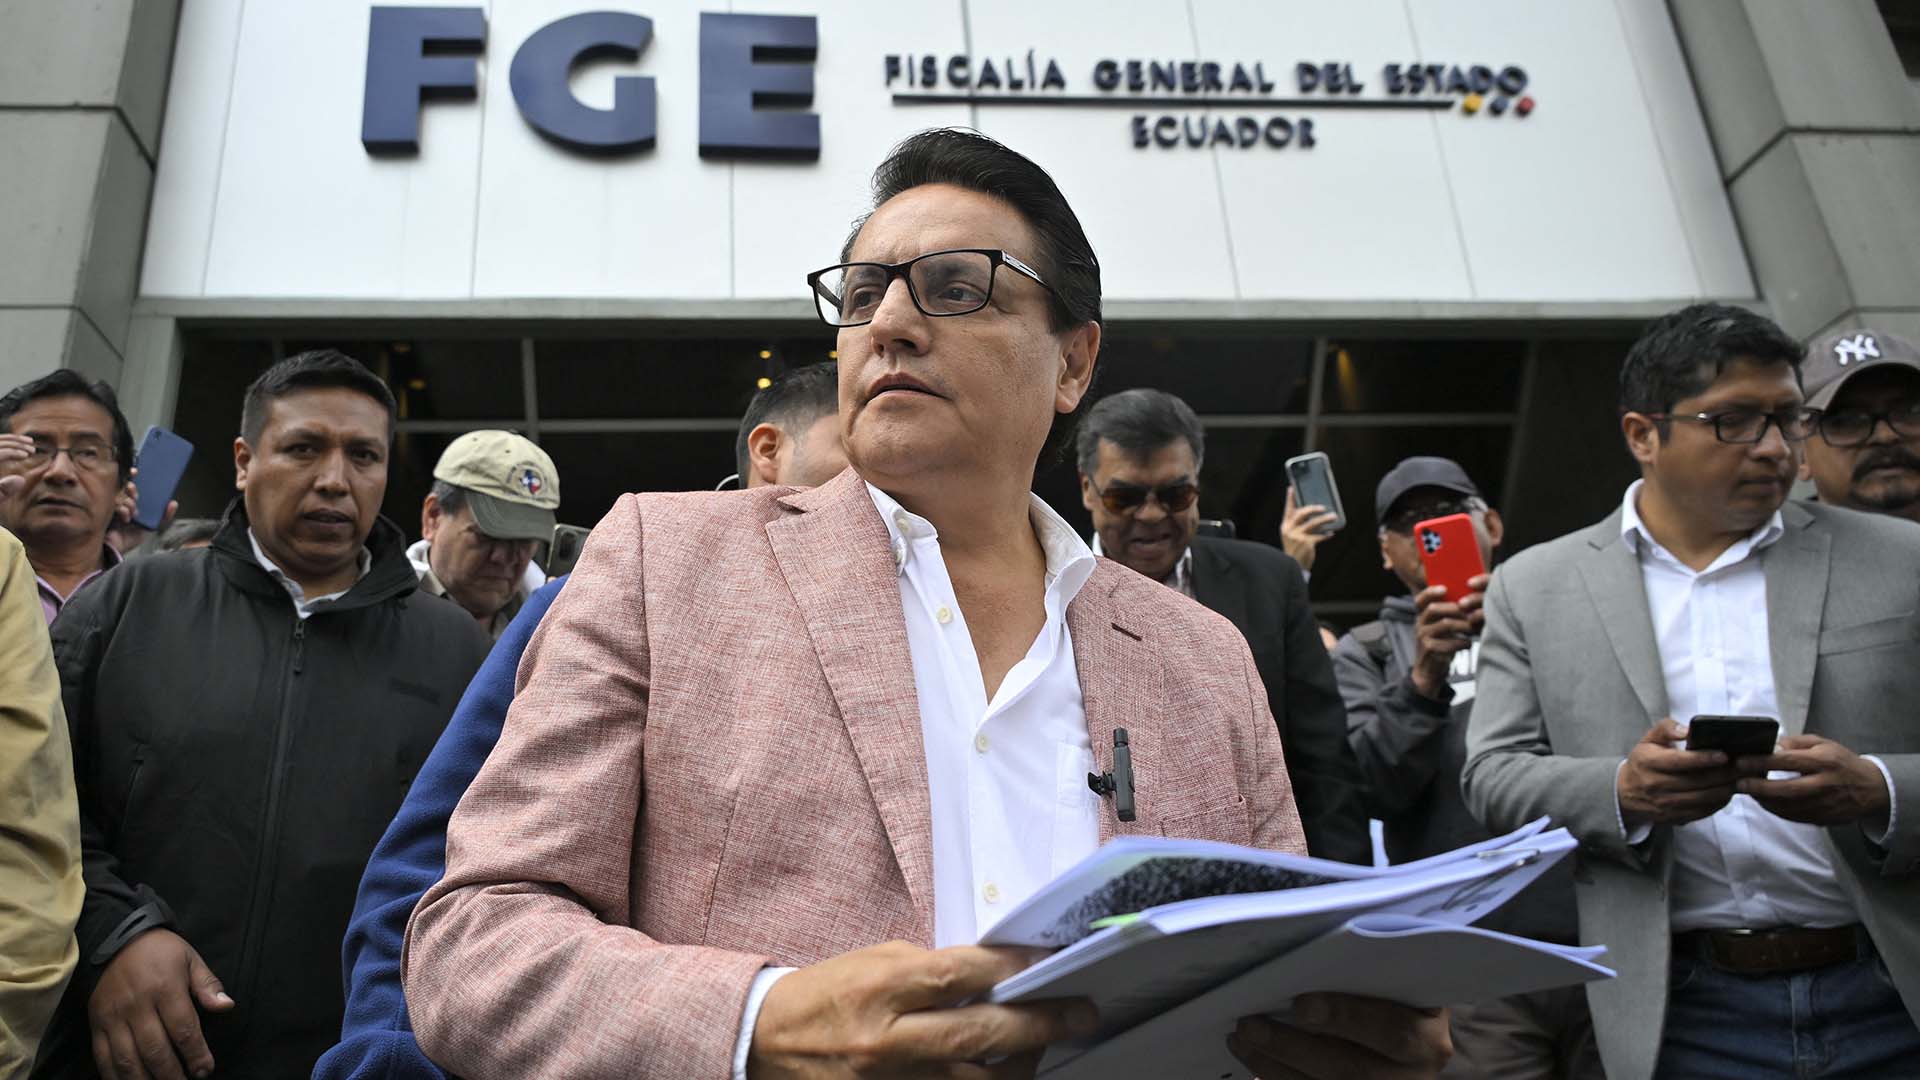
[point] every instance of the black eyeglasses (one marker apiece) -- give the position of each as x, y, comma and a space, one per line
1748, 426
1853, 427
941, 283
1127, 498
86, 456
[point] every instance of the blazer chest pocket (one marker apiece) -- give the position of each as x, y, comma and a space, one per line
1227, 823
1879, 633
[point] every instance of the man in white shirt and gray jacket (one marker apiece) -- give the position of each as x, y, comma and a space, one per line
1763, 912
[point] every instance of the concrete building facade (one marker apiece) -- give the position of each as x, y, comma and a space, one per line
1412, 268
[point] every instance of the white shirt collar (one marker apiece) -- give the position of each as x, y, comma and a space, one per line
1069, 561
302, 606
1634, 533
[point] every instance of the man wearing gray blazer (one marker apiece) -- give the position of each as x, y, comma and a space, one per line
1763, 923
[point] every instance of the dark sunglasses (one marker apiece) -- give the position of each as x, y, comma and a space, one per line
1127, 498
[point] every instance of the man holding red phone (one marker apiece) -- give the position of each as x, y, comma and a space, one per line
1408, 680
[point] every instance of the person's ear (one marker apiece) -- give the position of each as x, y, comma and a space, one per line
1806, 467
763, 455
1643, 438
242, 458
1078, 353
1386, 553
1496, 528
430, 514
1087, 498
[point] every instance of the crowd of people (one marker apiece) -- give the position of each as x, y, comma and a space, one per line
283, 794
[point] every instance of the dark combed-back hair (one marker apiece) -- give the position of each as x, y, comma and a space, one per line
1681, 353
315, 370
970, 160
1139, 422
794, 400
66, 382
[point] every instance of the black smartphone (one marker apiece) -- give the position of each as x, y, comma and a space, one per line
564, 549
1736, 736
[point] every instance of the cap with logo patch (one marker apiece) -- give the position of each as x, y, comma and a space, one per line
1834, 359
513, 486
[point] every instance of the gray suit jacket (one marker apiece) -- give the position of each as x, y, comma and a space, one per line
1570, 678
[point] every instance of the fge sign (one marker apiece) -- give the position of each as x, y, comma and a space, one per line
417, 54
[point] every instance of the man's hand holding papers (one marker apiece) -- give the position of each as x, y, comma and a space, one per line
1341, 975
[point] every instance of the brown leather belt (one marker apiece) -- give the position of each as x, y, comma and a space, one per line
1779, 951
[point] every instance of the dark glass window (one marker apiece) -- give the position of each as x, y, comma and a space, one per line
214, 375
475, 379
1214, 375
1423, 376
662, 377
595, 470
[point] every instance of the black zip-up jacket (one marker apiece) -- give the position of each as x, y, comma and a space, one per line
1411, 751
236, 766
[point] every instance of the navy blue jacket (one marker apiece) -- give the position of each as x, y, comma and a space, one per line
376, 1038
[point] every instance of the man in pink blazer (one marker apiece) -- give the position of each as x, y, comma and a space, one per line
763, 732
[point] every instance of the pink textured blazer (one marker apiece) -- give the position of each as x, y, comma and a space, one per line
714, 763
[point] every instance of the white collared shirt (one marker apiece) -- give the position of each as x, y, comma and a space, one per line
303, 607
1182, 577
1743, 866
1006, 776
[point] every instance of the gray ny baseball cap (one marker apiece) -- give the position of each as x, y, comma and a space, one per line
1835, 358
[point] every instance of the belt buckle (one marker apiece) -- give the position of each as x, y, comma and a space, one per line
1721, 946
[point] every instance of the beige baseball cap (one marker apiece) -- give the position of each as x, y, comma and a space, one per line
513, 484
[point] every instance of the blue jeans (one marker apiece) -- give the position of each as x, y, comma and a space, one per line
1845, 1020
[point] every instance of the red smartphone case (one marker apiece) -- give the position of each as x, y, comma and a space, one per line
1450, 552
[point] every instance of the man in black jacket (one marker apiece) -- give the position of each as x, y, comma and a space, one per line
245, 721
1139, 453
1408, 680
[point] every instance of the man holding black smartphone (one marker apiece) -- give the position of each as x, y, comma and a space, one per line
1763, 911
1409, 679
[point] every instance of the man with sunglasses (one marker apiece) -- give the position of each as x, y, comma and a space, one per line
66, 455
1864, 453
858, 713
1763, 910
1139, 453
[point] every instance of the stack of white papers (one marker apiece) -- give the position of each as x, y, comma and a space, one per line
1175, 940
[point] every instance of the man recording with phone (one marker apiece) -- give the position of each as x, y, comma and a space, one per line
1763, 911
1409, 679
492, 504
